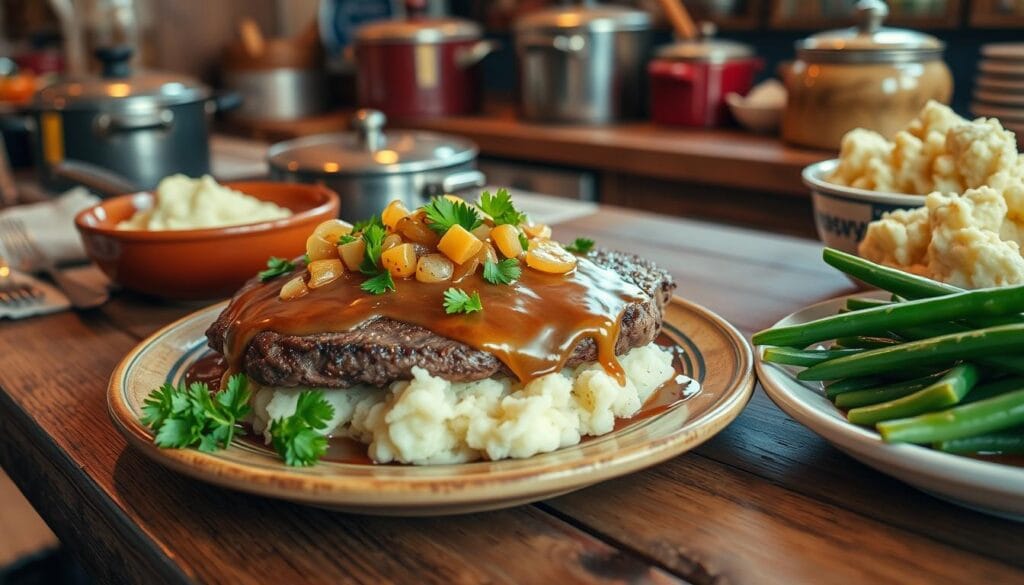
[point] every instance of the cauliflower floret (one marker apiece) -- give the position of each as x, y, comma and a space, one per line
980, 149
863, 161
966, 249
899, 239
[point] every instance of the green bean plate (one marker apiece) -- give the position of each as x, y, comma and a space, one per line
992, 486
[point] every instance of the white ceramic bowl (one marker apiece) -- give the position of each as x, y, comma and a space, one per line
760, 119
842, 214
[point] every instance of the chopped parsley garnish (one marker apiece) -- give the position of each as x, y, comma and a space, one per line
503, 272
191, 416
276, 267
374, 236
524, 241
347, 239
362, 224
379, 284
295, 437
580, 246
457, 300
500, 208
444, 213
305, 258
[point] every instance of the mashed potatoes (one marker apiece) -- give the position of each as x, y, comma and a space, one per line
938, 151
183, 203
429, 420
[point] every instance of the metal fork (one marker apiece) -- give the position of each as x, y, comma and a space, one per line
26, 255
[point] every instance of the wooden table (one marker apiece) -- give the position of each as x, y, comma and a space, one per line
766, 501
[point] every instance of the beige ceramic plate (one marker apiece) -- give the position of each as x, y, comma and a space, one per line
714, 353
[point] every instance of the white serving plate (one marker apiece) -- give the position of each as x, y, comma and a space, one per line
989, 487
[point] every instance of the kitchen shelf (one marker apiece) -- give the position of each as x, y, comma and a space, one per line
718, 157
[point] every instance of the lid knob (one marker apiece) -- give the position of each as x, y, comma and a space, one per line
369, 127
116, 61
870, 14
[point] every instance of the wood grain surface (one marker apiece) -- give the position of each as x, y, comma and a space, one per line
766, 501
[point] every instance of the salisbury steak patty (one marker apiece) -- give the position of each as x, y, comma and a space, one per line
384, 350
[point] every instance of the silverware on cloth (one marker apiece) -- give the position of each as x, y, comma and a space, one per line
26, 255
15, 291
22, 295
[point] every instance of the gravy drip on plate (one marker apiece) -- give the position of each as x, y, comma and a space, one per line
531, 325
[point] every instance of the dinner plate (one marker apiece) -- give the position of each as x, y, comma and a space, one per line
713, 353
983, 485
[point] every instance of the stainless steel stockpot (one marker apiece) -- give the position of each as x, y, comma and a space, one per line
583, 64
368, 166
143, 127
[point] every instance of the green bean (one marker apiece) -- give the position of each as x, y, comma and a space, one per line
947, 391
856, 303
884, 393
995, 301
863, 342
852, 384
890, 279
803, 357
1004, 363
995, 388
931, 351
1005, 443
985, 416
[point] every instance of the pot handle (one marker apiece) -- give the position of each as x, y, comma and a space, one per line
466, 57
106, 183
562, 43
455, 182
224, 101
113, 123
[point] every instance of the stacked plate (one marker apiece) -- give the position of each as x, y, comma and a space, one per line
999, 88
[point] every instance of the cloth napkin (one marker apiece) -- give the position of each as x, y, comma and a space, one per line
52, 300
52, 224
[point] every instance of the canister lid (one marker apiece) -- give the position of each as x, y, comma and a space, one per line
587, 16
419, 30
869, 41
368, 149
118, 84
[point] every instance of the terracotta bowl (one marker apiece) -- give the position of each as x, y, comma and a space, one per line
204, 263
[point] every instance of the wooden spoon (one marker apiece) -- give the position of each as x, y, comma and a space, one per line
680, 19
252, 37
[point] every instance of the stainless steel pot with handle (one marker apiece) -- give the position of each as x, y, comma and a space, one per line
143, 127
583, 64
368, 166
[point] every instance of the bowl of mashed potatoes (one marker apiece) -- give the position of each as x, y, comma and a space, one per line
875, 177
198, 239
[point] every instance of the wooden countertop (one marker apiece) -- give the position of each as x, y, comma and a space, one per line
728, 158
765, 501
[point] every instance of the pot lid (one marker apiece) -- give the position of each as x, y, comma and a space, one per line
368, 149
869, 41
587, 16
706, 50
118, 85
419, 30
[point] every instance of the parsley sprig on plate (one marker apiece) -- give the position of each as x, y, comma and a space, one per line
192, 416
443, 213
580, 246
457, 300
500, 208
276, 267
296, 437
503, 272
380, 280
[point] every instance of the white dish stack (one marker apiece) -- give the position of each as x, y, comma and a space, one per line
999, 87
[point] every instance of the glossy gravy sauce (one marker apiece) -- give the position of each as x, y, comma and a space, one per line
531, 325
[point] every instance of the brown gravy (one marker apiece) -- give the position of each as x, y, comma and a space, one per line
531, 325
